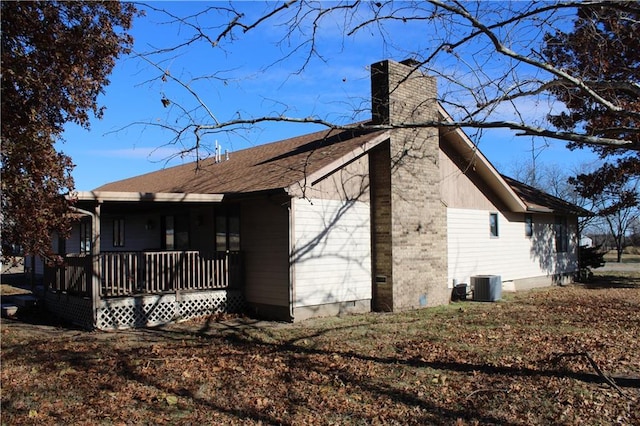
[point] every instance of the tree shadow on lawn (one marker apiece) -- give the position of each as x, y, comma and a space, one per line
240, 337
299, 351
127, 366
613, 281
39, 316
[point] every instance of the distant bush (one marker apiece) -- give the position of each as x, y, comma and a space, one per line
631, 250
589, 258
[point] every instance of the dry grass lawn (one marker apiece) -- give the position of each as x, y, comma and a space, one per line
523, 361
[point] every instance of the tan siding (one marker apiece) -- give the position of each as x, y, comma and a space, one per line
461, 187
73, 243
136, 236
201, 232
265, 249
350, 182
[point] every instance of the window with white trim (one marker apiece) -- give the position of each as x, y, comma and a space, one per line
493, 225
528, 225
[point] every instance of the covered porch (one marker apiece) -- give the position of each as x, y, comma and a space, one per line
140, 289
166, 261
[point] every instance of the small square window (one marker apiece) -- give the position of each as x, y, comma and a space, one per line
493, 224
528, 225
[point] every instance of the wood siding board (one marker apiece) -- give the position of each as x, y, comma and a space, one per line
461, 187
265, 247
348, 183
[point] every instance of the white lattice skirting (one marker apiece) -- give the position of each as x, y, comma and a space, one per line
143, 311
153, 310
75, 309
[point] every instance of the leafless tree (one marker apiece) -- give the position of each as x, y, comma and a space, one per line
554, 179
615, 207
487, 56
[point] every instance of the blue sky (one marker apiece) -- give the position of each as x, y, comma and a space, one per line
245, 82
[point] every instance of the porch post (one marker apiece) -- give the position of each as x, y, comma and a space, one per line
96, 280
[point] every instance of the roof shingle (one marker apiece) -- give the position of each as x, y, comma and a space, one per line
280, 164
537, 200
266, 167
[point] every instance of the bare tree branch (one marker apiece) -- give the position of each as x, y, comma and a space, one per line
480, 97
503, 49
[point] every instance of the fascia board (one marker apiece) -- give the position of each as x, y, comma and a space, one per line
113, 196
325, 171
485, 169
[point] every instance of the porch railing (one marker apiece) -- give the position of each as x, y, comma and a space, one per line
129, 273
73, 277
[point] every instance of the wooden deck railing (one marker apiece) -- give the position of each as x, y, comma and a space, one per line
73, 277
128, 273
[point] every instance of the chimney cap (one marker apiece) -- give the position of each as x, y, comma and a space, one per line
411, 62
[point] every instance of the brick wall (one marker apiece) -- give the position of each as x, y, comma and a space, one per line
416, 222
382, 268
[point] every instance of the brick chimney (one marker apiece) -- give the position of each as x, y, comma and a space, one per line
401, 94
409, 238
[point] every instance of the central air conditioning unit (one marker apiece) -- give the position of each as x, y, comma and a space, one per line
487, 288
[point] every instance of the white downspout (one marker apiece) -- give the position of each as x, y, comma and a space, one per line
291, 265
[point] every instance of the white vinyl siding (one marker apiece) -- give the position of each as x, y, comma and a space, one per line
459, 188
513, 256
332, 252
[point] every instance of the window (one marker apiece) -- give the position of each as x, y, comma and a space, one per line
175, 232
528, 224
118, 232
228, 228
562, 234
493, 224
85, 236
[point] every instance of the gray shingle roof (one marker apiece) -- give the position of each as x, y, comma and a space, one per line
266, 167
537, 200
280, 164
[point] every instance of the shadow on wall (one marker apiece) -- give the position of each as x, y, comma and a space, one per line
560, 265
331, 256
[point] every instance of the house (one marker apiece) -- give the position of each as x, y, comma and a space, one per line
338, 221
586, 241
